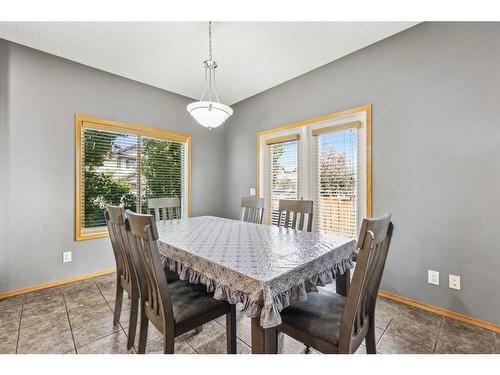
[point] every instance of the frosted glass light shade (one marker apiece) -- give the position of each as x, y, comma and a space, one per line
209, 114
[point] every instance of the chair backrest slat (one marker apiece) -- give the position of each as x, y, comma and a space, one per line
373, 246
165, 208
153, 282
294, 221
115, 221
287, 219
252, 209
293, 210
301, 222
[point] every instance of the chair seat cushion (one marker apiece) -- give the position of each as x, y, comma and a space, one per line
192, 301
318, 317
171, 276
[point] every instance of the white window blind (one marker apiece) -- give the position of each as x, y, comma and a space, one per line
126, 169
282, 170
162, 170
336, 181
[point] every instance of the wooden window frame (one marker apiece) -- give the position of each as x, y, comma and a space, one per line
336, 128
284, 139
89, 122
367, 109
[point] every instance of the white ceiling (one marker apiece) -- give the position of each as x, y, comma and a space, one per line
252, 56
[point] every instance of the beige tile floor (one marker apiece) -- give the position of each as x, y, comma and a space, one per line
77, 318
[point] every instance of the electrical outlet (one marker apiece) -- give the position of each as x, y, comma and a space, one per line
66, 256
252, 191
433, 277
454, 282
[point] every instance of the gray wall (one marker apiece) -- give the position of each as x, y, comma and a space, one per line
37, 151
435, 91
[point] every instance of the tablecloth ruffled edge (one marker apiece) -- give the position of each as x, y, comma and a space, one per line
269, 314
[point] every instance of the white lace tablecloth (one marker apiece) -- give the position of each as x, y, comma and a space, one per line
259, 266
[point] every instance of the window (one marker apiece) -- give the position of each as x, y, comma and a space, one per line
283, 176
327, 160
124, 164
336, 180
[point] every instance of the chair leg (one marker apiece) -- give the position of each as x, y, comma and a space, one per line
118, 300
143, 331
280, 342
132, 323
231, 330
168, 344
272, 339
371, 346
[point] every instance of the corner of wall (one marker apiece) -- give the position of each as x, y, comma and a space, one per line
4, 156
224, 180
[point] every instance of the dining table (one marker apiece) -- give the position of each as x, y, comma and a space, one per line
262, 268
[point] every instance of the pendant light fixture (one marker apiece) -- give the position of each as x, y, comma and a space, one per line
209, 112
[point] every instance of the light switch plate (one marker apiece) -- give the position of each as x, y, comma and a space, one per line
67, 256
433, 277
252, 191
454, 282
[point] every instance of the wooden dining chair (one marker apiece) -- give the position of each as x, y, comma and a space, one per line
125, 274
331, 323
173, 308
293, 212
165, 208
252, 209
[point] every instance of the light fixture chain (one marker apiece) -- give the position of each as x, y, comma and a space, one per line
210, 40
